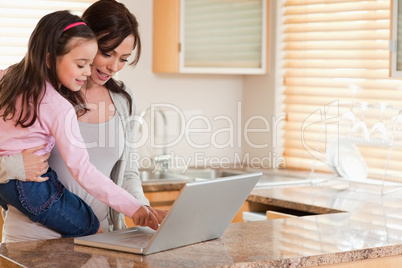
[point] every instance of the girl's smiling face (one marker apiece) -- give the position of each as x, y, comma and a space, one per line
105, 65
74, 67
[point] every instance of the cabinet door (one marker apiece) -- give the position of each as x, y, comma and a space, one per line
396, 39
210, 36
165, 46
271, 215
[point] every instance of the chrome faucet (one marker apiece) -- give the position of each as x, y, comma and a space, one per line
158, 160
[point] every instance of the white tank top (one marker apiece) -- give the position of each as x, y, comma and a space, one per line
105, 143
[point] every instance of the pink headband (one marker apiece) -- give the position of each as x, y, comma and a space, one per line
73, 25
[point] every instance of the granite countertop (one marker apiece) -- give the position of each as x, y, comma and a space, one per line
356, 222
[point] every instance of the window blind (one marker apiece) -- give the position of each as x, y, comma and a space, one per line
336, 64
18, 18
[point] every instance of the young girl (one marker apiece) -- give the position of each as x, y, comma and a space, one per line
34, 110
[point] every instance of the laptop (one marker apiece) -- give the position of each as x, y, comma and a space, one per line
202, 211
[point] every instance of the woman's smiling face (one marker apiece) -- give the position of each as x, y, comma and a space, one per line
105, 65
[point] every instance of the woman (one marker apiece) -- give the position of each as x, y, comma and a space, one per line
110, 107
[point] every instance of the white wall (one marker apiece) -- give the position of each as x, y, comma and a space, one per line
262, 100
212, 95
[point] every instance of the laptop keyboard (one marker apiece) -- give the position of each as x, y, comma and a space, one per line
137, 240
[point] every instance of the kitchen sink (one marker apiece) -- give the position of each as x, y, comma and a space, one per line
275, 180
149, 175
191, 174
270, 178
285, 178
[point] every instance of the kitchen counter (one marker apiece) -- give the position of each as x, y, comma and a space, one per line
356, 223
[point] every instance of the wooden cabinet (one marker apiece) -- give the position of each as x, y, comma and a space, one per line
218, 46
275, 212
162, 200
166, 45
271, 215
239, 215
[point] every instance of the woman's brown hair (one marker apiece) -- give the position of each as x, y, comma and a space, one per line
112, 22
25, 81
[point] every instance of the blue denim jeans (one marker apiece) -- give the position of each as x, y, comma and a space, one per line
50, 204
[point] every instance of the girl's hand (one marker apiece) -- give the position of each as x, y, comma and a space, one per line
35, 165
144, 217
160, 214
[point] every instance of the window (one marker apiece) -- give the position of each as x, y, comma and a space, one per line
18, 18
335, 62
396, 40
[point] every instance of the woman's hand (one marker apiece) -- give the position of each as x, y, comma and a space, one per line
35, 165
